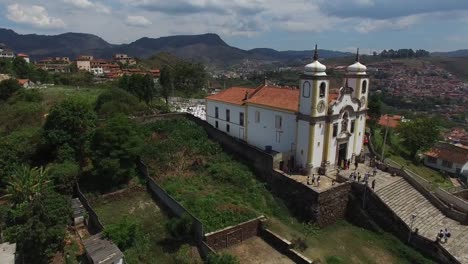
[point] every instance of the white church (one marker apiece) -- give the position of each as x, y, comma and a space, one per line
313, 128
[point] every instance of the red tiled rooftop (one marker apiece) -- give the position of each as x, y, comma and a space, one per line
233, 95
283, 98
390, 121
449, 152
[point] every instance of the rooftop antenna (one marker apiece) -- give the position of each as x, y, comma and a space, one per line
315, 53
357, 55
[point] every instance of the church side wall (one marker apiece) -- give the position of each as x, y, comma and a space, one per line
235, 130
265, 133
302, 148
319, 143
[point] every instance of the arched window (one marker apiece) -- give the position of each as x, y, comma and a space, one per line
364, 87
306, 90
323, 87
344, 122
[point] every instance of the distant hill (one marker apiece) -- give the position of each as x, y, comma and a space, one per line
456, 53
208, 48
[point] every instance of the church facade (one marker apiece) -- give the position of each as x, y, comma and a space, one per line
314, 129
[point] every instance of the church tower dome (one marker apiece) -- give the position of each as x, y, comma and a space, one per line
357, 67
315, 68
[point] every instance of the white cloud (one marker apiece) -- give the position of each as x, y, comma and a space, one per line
370, 25
86, 4
137, 21
33, 15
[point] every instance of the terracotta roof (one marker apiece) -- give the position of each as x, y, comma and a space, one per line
286, 98
449, 152
233, 95
23, 81
392, 121
22, 55
283, 98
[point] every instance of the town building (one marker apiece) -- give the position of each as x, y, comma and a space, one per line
124, 59
391, 121
55, 64
313, 129
451, 158
83, 63
6, 53
24, 56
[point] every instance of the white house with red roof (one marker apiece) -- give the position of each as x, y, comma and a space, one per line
24, 56
451, 158
314, 129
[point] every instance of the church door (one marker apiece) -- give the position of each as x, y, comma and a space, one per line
342, 151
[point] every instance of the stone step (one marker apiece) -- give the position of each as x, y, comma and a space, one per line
390, 188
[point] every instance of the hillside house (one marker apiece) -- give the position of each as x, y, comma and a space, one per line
315, 129
450, 158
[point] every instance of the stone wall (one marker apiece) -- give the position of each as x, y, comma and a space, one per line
233, 235
283, 246
333, 204
367, 210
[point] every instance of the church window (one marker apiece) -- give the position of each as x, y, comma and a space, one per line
364, 87
257, 116
306, 90
323, 87
241, 119
278, 122
352, 126
216, 112
318, 144
278, 136
228, 115
216, 124
344, 122
228, 127
335, 129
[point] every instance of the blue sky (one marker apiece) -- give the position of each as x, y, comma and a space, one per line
435, 25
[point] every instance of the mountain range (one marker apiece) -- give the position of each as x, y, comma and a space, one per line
206, 48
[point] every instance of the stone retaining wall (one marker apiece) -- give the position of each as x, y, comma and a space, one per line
283, 246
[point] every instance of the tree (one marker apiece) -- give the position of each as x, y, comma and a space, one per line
8, 88
375, 106
21, 68
115, 148
167, 83
148, 89
419, 134
122, 233
117, 101
64, 176
26, 183
69, 123
189, 78
38, 226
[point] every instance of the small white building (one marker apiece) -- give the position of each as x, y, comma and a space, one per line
97, 70
314, 128
450, 158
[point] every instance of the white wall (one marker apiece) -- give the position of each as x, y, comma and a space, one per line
264, 133
235, 129
438, 165
302, 148
318, 144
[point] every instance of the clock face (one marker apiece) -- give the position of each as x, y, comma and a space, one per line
321, 107
363, 101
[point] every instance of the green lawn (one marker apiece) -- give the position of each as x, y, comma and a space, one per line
395, 151
58, 93
152, 244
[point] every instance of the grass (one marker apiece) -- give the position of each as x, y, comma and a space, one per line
221, 191
395, 151
346, 243
58, 93
152, 241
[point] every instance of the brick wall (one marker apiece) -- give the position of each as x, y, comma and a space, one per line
233, 235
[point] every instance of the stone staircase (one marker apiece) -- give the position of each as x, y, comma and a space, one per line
405, 201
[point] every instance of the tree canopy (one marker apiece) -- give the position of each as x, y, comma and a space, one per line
419, 134
69, 124
8, 88
114, 150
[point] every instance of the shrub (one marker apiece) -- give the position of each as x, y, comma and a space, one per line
180, 228
334, 260
117, 101
299, 244
222, 259
8, 88
29, 95
123, 233
64, 175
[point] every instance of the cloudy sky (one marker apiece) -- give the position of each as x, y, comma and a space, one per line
436, 25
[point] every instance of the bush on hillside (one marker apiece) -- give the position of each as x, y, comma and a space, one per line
117, 101
8, 88
223, 258
64, 175
180, 228
123, 233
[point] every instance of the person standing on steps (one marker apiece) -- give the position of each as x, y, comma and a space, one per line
356, 163
373, 184
374, 172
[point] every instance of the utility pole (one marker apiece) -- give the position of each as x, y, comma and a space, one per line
385, 138
413, 217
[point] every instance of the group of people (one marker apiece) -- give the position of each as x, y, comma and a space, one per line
356, 176
346, 164
443, 236
314, 180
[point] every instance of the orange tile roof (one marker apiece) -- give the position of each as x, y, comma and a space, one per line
22, 55
283, 98
392, 121
449, 152
286, 98
233, 95
23, 81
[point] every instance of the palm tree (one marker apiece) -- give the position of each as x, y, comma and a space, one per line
26, 183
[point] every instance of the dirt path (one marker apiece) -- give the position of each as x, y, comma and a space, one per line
256, 251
